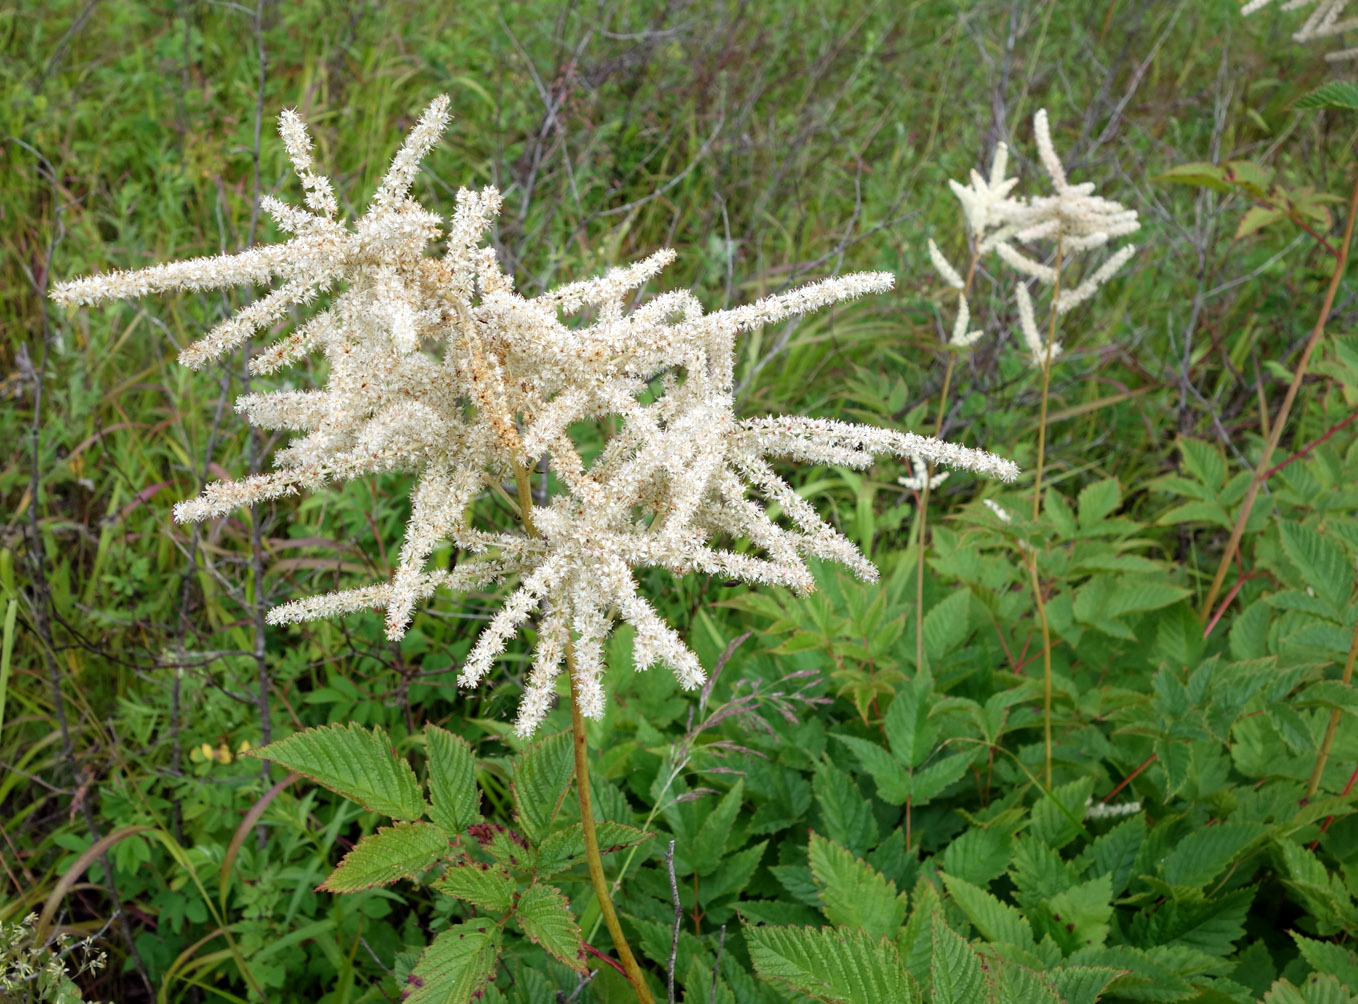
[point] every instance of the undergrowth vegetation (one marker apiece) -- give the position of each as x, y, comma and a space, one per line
1092, 742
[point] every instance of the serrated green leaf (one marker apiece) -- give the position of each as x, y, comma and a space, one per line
1115, 852
490, 887
1197, 173
954, 969
854, 893
845, 814
906, 723
1327, 957
995, 920
392, 853
355, 763
893, 780
838, 966
929, 782
1012, 983
455, 802
540, 778
1205, 853
545, 916
947, 623
1080, 914
565, 847
1097, 500
733, 874
1324, 566
714, 835
1134, 596
1256, 218
979, 855
1081, 984
1204, 462
456, 966
1335, 94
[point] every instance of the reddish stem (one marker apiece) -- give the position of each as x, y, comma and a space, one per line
605, 958
1129, 778
1311, 445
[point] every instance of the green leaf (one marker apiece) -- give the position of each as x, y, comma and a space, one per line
1322, 562
1081, 984
845, 814
893, 780
1136, 596
995, 920
1097, 500
1204, 462
1335, 94
490, 887
979, 855
1080, 914
947, 623
565, 847
1330, 694
954, 968
1204, 853
928, 782
1197, 173
835, 965
540, 779
452, 780
1327, 957
390, 854
853, 892
545, 916
906, 724
733, 873
456, 966
355, 763
1256, 218
714, 834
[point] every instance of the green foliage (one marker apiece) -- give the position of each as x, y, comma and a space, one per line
845, 820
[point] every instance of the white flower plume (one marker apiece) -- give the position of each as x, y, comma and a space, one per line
1323, 22
437, 367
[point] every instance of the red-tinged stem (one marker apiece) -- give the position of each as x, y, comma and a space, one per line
1129, 778
1280, 422
1312, 445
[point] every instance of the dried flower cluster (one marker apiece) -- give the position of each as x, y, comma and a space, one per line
1323, 22
436, 366
1072, 218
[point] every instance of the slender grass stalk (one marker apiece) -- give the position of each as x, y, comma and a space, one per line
1313, 785
592, 856
1262, 467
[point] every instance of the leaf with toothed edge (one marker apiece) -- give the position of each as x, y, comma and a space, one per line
355, 763
390, 854
456, 966
490, 887
545, 916
452, 780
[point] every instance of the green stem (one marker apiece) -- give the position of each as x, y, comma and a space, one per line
1031, 561
1276, 432
1313, 785
592, 855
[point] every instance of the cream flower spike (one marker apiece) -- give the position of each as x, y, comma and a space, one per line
1323, 22
438, 368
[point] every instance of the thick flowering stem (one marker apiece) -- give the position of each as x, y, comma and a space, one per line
592, 856
1262, 468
